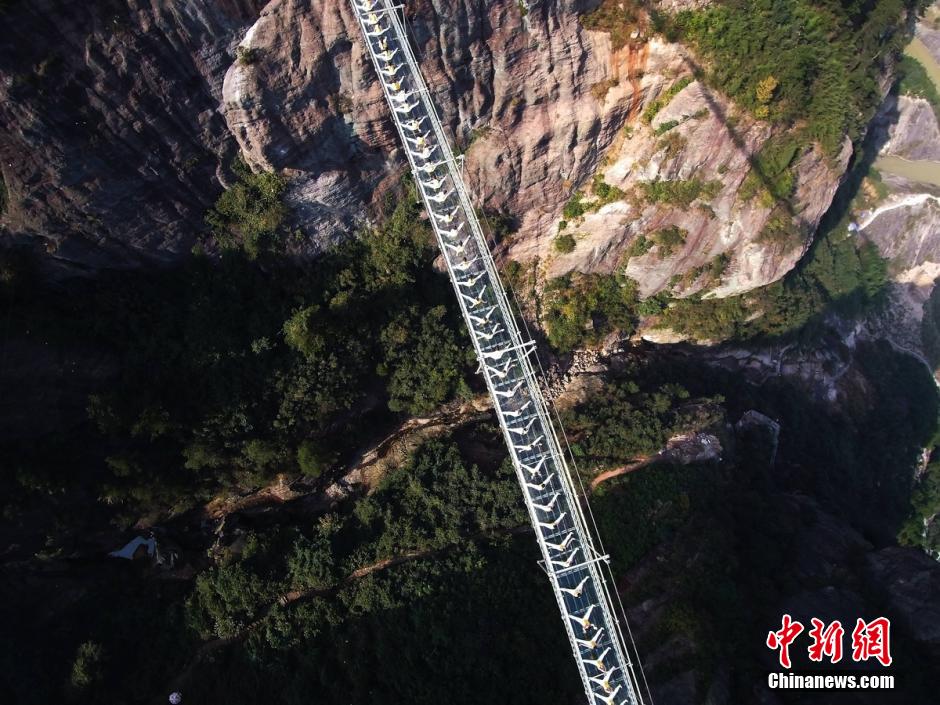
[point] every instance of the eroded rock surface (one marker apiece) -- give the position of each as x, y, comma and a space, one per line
111, 135
916, 134
709, 142
539, 104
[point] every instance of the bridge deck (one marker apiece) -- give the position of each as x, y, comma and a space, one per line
568, 551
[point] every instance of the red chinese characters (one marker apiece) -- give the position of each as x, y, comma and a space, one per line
872, 640
782, 639
826, 641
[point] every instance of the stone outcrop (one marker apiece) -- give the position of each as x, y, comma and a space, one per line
111, 137
302, 99
928, 31
709, 142
903, 219
117, 165
916, 134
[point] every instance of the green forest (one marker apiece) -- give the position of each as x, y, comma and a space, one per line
439, 560
246, 368
232, 371
822, 69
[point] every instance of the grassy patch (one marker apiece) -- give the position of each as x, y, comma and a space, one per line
619, 18
564, 243
673, 144
680, 192
662, 101
600, 89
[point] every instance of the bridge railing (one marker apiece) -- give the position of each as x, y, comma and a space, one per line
569, 555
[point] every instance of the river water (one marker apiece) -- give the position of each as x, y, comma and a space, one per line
922, 171
925, 172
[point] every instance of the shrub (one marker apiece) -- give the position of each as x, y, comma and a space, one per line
313, 459
665, 127
246, 56
574, 208
669, 239
605, 192
87, 669
248, 215
640, 246
765, 90
564, 243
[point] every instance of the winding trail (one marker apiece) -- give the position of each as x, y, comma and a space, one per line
208, 649
622, 470
914, 199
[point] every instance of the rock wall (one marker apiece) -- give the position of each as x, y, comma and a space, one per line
903, 220
304, 100
539, 105
111, 138
710, 142
114, 140
915, 135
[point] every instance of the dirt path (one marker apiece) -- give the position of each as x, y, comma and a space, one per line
367, 468
207, 650
622, 470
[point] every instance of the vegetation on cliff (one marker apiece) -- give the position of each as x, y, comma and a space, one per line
838, 273
916, 83
249, 215
812, 62
230, 373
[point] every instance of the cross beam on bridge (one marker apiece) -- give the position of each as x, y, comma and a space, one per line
569, 557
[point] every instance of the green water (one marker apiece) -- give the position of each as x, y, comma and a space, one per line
925, 172
918, 50
922, 171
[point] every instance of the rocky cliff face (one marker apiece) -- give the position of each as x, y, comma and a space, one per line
111, 136
915, 135
903, 218
159, 97
303, 99
708, 142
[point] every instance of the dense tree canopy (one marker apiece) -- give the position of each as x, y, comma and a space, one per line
816, 61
